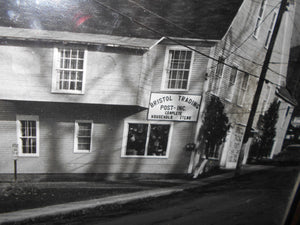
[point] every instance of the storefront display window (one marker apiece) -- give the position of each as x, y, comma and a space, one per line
147, 139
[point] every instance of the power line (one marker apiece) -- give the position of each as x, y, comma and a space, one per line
174, 40
191, 32
253, 31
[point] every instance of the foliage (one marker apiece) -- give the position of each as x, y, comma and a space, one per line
268, 129
215, 126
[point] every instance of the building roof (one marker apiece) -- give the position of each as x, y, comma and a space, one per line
199, 19
80, 38
283, 93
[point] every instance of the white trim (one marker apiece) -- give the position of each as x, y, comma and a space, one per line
233, 86
244, 90
166, 63
265, 103
55, 66
125, 137
261, 19
19, 134
75, 149
270, 30
156, 43
216, 91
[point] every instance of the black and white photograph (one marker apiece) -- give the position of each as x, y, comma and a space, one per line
150, 112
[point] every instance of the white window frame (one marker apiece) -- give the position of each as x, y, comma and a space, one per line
19, 135
259, 18
243, 90
287, 111
217, 77
76, 150
270, 30
265, 103
231, 85
125, 138
217, 151
165, 76
56, 68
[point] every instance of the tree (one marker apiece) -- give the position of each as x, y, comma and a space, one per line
268, 129
213, 131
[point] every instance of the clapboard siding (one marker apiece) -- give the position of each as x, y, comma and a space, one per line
7, 136
197, 77
111, 77
57, 126
240, 48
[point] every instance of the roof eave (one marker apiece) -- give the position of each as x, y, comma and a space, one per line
21, 34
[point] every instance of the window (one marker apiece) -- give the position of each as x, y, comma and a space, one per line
68, 70
28, 135
177, 69
259, 18
231, 83
218, 76
213, 153
264, 106
83, 136
146, 139
243, 89
270, 31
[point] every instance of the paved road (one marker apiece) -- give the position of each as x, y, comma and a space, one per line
258, 198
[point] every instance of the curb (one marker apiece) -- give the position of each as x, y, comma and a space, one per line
63, 210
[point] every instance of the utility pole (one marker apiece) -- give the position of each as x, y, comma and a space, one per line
260, 86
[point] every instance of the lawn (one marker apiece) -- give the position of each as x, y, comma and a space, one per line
15, 197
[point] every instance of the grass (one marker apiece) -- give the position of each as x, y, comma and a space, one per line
15, 197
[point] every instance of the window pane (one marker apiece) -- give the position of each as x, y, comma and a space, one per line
84, 129
136, 141
65, 85
178, 68
28, 136
74, 53
184, 84
158, 140
84, 136
79, 86
84, 143
81, 54
72, 85
80, 64
233, 76
70, 70
245, 81
73, 75
67, 53
79, 76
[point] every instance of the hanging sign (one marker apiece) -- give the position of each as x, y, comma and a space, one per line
15, 150
174, 107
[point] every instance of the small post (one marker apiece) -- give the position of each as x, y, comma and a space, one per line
15, 170
15, 156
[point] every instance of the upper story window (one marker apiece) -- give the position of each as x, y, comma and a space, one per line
69, 70
259, 18
216, 81
177, 69
231, 84
83, 136
28, 135
264, 106
243, 88
270, 31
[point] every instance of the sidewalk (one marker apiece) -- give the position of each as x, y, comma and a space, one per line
76, 207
